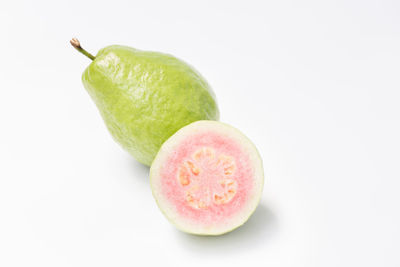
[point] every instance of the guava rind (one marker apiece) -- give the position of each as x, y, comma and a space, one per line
145, 97
168, 148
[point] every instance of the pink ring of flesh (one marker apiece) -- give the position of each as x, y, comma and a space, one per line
208, 178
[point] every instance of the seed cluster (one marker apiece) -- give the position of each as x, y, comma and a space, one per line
205, 165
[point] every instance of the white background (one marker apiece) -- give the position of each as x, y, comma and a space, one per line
315, 85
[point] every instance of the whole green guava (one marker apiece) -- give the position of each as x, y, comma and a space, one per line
145, 97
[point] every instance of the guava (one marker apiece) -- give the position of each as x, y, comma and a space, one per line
144, 97
207, 178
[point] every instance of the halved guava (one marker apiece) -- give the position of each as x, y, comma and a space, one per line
207, 178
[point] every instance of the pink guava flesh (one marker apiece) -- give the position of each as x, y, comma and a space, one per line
207, 182
209, 177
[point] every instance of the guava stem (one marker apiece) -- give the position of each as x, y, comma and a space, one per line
77, 45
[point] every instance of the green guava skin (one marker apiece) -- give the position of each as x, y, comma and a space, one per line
145, 97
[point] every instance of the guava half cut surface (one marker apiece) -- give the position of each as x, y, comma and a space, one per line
207, 178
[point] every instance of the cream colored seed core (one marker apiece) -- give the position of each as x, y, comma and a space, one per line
203, 188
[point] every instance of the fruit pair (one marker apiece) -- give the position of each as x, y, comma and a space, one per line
206, 176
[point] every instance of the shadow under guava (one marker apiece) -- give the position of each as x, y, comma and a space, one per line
141, 171
259, 229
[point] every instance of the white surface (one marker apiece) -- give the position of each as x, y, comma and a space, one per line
314, 84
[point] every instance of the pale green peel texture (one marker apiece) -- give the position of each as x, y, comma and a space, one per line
145, 97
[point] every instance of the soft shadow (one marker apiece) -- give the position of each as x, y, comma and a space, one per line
258, 230
140, 170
